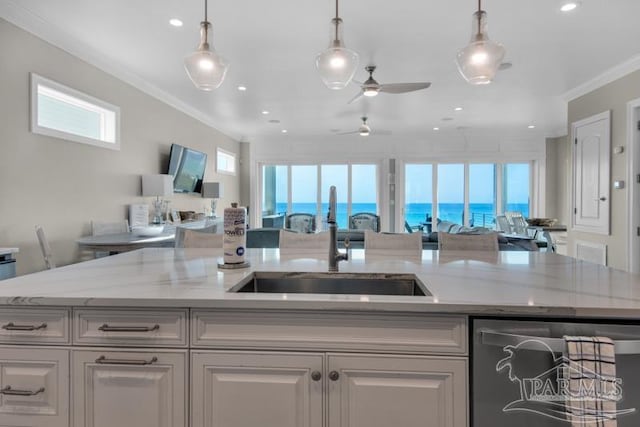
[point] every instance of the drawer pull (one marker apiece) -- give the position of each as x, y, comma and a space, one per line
103, 360
334, 376
316, 375
11, 392
13, 327
107, 328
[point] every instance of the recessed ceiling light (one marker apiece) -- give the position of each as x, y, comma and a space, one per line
436, 128
284, 131
242, 88
568, 6
175, 22
265, 112
458, 109
274, 121
531, 126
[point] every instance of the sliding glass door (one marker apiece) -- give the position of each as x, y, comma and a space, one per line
418, 197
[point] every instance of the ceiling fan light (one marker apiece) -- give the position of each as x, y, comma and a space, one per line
336, 64
370, 91
365, 131
479, 61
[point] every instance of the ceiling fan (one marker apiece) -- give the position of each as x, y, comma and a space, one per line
365, 130
371, 87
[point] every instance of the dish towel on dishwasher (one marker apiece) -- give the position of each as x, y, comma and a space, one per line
590, 375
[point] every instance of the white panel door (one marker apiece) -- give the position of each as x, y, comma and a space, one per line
34, 387
238, 389
129, 389
406, 391
591, 157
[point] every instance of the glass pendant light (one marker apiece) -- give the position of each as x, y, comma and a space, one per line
479, 61
205, 67
336, 64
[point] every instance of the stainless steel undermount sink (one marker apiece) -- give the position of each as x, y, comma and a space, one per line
333, 283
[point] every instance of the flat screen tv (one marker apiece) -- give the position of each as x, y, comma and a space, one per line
187, 168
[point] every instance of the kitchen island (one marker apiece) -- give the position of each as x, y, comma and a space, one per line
153, 337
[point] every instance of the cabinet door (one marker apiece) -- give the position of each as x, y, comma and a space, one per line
129, 388
407, 391
34, 387
238, 389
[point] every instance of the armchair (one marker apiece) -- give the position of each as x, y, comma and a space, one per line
364, 221
301, 222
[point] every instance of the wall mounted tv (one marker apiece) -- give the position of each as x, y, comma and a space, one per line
187, 168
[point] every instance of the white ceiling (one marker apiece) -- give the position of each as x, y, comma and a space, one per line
271, 46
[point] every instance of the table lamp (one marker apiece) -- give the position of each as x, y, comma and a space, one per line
213, 191
157, 186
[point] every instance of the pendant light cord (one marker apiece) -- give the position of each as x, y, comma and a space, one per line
205, 11
337, 20
479, 17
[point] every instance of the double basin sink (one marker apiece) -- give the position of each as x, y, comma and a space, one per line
333, 283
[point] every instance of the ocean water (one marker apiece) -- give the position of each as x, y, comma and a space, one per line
482, 214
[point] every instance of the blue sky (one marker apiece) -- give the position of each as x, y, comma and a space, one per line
418, 188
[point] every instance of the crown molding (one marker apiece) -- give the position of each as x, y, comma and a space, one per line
611, 75
53, 35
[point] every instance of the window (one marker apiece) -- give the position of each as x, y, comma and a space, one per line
225, 162
482, 195
418, 192
470, 194
62, 112
451, 193
516, 188
305, 189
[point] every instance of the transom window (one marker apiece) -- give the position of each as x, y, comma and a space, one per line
62, 112
225, 162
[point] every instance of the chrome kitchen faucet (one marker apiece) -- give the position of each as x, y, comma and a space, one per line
335, 256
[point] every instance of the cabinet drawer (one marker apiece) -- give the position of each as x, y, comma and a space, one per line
138, 328
321, 330
137, 387
34, 326
34, 387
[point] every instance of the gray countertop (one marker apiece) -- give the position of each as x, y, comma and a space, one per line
506, 283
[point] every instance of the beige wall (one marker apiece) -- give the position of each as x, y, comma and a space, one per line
64, 185
613, 96
555, 188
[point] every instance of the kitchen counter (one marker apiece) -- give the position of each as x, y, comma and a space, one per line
507, 283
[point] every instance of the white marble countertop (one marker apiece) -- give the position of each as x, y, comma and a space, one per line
509, 283
8, 251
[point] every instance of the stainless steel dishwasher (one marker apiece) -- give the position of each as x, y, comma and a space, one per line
518, 372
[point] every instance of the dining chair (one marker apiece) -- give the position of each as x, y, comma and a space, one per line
468, 242
200, 239
101, 228
364, 221
517, 222
180, 232
45, 248
308, 242
301, 222
393, 244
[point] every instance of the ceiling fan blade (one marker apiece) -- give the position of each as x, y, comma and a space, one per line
381, 132
403, 87
348, 133
355, 98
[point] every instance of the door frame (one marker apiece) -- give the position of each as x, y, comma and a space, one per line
633, 168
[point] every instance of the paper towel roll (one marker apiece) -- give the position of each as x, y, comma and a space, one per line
235, 237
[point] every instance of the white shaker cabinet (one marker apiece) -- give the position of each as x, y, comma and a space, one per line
395, 390
126, 388
240, 389
34, 387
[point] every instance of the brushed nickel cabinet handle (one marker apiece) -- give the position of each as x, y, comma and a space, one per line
104, 361
107, 328
316, 375
13, 327
334, 375
12, 392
